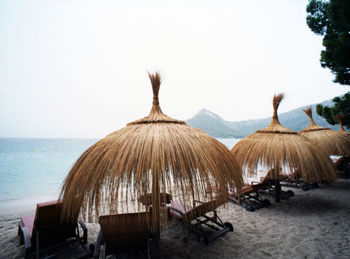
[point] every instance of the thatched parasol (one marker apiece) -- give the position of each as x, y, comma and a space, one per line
340, 122
276, 147
330, 141
157, 155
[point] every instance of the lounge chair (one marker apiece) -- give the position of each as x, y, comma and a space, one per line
124, 233
294, 180
45, 232
208, 228
146, 199
343, 167
273, 184
249, 196
284, 195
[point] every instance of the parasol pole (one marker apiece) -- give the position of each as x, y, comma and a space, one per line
277, 183
155, 211
155, 204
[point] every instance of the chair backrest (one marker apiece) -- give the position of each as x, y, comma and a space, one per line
146, 199
123, 232
296, 175
246, 189
270, 176
201, 210
48, 224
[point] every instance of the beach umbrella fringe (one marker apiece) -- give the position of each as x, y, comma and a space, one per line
279, 148
331, 142
157, 155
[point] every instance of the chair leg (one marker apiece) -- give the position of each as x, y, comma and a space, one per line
25, 239
104, 251
215, 215
28, 253
98, 245
20, 234
85, 231
37, 245
149, 243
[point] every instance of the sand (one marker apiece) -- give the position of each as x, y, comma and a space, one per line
313, 224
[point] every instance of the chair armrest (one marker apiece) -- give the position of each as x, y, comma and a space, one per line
98, 245
25, 235
83, 226
198, 201
176, 210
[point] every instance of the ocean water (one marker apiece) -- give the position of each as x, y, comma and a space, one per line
32, 170
229, 142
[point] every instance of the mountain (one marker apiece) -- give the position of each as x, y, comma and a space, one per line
217, 127
213, 124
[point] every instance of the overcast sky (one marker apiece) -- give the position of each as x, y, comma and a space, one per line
79, 68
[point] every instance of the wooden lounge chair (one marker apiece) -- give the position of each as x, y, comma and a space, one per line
273, 185
146, 199
343, 167
124, 233
46, 233
249, 196
294, 180
208, 228
284, 195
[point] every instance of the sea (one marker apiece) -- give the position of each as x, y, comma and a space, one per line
33, 170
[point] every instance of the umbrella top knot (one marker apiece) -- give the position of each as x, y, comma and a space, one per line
276, 102
155, 81
308, 112
275, 126
312, 126
340, 121
156, 115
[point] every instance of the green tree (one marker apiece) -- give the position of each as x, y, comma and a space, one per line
331, 19
341, 106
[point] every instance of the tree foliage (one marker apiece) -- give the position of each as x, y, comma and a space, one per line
331, 19
341, 106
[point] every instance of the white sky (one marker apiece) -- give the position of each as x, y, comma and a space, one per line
78, 68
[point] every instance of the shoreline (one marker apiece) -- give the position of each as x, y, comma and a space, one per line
313, 224
19, 206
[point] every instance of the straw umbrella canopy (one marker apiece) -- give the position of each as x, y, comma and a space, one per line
153, 155
276, 147
343, 163
330, 141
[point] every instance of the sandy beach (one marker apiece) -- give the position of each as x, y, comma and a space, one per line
313, 224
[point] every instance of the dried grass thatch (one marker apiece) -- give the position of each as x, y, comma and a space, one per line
279, 147
156, 154
330, 141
